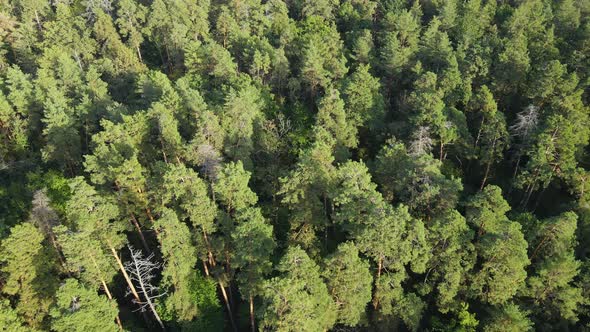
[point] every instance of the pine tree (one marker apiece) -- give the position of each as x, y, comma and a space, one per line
30, 276
509, 318
254, 244
500, 246
80, 309
182, 302
342, 269
297, 299
556, 268
10, 320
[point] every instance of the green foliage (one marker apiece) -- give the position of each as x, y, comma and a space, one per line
508, 318
29, 273
9, 319
297, 299
500, 247
342, 269
429, 157
81, 309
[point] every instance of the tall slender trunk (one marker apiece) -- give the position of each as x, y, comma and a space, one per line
209, 251
517, 166
138, 229
38, 21
125, 275
139, 54
252, 323
57, 248
227, 305
106, 289
485, 177
147, 298
479, 132
379, 268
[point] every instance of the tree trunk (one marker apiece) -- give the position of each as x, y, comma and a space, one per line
485, 177
125, 275
517, 166
229, 311
139, 54
479, 132
106, 290
379, 268
209, 252
252, 323
138, 228
147, 298
38, 21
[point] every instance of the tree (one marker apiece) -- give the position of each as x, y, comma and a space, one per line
452, 257
555, 267
306, 192
332, 117
492, 135
500, 247
171, 26
342, 269
141, 270
427, 108
436, 55
363, 99
10, 319
122, 57
93, 223
388, 235
15, 115
321, 54
254, 244
30, 278
415, 180
68, 32
80, 309
508, 318
297, 299
131, 17
178, 272
241, 112
399, 42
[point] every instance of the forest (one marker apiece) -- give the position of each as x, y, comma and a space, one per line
294, 165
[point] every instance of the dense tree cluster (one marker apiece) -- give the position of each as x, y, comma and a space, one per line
301, 165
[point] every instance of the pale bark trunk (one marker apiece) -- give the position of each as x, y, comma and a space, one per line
147, 298
38, 21
227, 305
138, 229
125, 275
252, 323
139, 54
106, 290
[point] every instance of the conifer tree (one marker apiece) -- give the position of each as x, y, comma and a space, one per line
30, 276
80, 309
342, 269
297, 299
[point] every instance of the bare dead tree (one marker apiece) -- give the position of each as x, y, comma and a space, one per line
209, 159
141, 271
525, 124
45, 218
92, 6
421, 141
